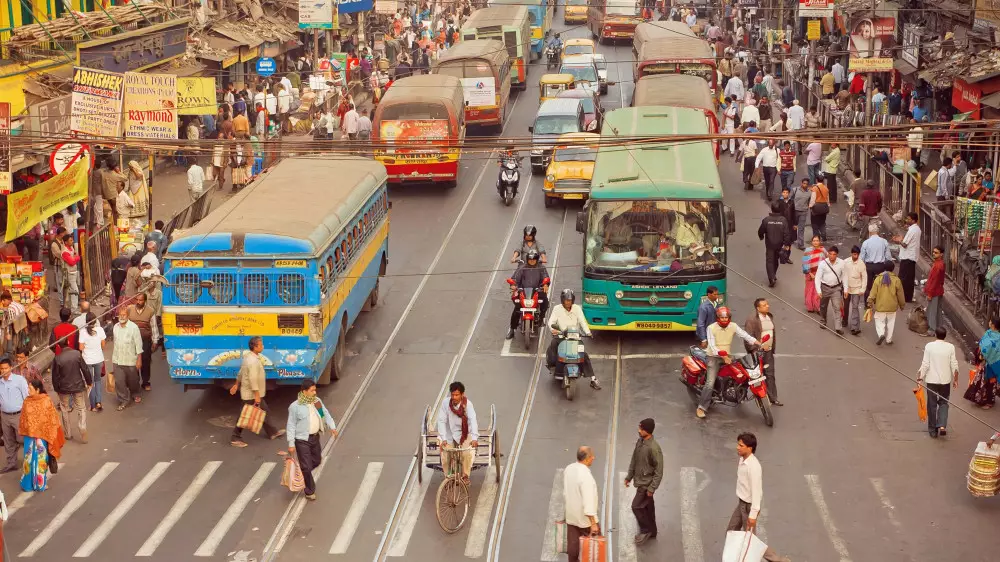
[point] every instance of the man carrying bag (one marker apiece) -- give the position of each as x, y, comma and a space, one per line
251, 382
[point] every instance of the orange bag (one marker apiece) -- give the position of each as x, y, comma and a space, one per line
593, 549
921, 403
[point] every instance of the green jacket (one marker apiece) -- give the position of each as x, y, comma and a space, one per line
646, 467
886, 298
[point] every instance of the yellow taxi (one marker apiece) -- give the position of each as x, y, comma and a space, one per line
578, 47
576, 11
551, 85
571, 168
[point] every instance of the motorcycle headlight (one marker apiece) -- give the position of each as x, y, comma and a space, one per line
528, 303
596, 299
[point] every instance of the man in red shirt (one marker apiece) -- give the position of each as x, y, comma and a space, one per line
869, 205
63, 334
934, 290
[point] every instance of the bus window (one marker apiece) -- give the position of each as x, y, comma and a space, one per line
322, 276
331, 268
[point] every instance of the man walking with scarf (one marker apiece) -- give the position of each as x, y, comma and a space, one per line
457, 427
307, 418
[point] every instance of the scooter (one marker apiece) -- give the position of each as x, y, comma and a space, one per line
740, 381
508, 180
571, 357
528, 299
552, 57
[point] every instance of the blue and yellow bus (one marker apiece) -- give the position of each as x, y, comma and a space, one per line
655, 226
294, 258
540, 14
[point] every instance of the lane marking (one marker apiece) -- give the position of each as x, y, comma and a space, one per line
358, 507
75, 503
411, 511
628, 527
236, 509
505, 352
607, 512
694, 550
179, 508
476, 542
118, 513
890, 509
824, 513
557, 512
294, 510
24, 497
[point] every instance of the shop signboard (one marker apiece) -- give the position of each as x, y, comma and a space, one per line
816, 8
266, 66
52, 117
911, 44
749, 4
231, 60
316, 14
813, 30
150, 106
387, 7
6, 178
27, 208
247, 54
196, 96
987, 14
355, 6
96, 107
965, 97
872, 44
135, 50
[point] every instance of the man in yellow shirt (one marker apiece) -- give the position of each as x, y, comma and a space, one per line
827, 83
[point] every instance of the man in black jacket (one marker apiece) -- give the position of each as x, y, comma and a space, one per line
788, 211
776, 234
72, 379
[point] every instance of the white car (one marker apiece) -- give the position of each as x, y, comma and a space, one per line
601, 64
584, 69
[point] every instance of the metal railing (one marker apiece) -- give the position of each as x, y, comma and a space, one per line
190, 215
99, 250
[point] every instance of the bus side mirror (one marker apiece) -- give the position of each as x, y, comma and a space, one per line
581, 222
531, 128
730, 221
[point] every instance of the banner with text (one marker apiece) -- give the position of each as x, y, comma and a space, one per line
196, 96
27, 208
816, 8
96, 107
150, 106
316, 14
872, 43
6, 178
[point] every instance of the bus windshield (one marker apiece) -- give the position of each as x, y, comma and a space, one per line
417, 110
622, 8
648, 235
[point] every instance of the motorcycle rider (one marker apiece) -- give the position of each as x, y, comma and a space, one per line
720, 339
555, 43
530, 275
528, 241
569, 316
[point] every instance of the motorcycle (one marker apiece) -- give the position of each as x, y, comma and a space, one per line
552, 57
528, 299
571, 357
740, 381
508, 180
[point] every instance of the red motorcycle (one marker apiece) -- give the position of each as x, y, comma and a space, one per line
740, 381
528, 299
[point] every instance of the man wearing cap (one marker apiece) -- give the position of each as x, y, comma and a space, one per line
646, 469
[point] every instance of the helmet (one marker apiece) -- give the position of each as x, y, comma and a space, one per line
530, 230
567, 295
722, 316
532, 254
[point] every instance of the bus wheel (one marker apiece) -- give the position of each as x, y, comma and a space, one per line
336, 365
373, 296
451, 184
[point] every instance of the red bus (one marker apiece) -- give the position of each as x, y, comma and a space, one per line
678, 90
613, 19
677, 55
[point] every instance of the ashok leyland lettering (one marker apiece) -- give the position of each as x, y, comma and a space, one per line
655, 227
293, 258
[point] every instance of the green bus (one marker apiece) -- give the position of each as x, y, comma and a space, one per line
655, 225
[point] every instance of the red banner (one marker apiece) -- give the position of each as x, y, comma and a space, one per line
965, 97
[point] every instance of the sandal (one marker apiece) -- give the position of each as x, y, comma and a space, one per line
138, 399
147, 387
121, 407
100, 407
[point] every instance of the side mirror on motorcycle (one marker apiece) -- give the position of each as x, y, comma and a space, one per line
511, 282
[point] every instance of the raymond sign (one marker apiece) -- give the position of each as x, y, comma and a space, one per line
150, 106
27, 208
196, 96
97, 102
6, 180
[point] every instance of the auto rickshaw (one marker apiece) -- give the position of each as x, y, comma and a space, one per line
551, 85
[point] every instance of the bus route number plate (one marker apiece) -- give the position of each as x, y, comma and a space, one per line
654, 325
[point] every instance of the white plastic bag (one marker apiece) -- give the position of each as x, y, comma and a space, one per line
743, 546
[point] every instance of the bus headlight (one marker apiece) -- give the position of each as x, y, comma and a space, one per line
619, 294
595, 299
688, 294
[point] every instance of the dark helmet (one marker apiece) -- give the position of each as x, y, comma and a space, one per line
530, 230
532, 254
567, 295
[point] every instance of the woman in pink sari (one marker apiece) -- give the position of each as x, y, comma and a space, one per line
810, 263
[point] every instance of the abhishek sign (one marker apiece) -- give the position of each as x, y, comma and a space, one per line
97, 102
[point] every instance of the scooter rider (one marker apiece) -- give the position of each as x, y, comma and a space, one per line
569, 316
556, 43
530, 275
528, 242
720, 339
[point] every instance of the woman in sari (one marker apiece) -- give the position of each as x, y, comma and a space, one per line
810, 263
242, 162
43, 438
983, 389
138, 191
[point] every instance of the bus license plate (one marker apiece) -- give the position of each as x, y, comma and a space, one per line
573, 196
654, 325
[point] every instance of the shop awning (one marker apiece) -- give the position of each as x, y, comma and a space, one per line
903, 67
992, 100
238, 34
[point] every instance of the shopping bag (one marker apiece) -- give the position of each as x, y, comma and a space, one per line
743, 546
109, 383
291, 476
562, 540
868, 315
921, 403
972, 375
757, 176
251, 418
593, 549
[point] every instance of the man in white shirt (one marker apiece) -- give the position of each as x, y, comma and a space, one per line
768, 159
915, 140
729, 125
458, 427
351, 123
567, 317
944, 179
270, 104
734, 87
749, 491
838, 76
909, 248
196, 180
260, 97
857, 280
875, 253
830, 287
284, 107
750, 114
581, 495
749, 149
938, 368
365, 127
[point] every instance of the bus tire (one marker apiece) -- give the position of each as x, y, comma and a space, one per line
336, 365
549, 202
373, 296
451, 184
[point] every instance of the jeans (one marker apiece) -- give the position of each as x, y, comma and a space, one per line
772, 384
937, 405
800, 218
58, 269
714, 364
310, 456
819, 225
933, 313
10, 426
748, 167
769, 173
787, 178
836, 296
813, 173
855, 311
885, 323
71, 288
96, 391
830, 179
74, 401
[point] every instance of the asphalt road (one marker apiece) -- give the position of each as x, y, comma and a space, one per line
849, 472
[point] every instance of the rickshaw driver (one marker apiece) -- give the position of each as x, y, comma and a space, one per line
457, 427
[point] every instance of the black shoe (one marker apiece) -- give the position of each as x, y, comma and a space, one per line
840, 332
771, 283
510, 334
777, 403
933, 433
823, 327
942, 431
880, 340
855, 332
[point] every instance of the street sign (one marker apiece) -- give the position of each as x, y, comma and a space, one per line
266, 66
813, 30
66, 154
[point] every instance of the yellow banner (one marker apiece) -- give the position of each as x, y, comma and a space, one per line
27, 208
813, 30
874, 64
196, 96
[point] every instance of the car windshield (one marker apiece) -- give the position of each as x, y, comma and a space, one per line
576, 154
581, 72
556, 125
552, 90
622, 8
655, 235
578, 50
